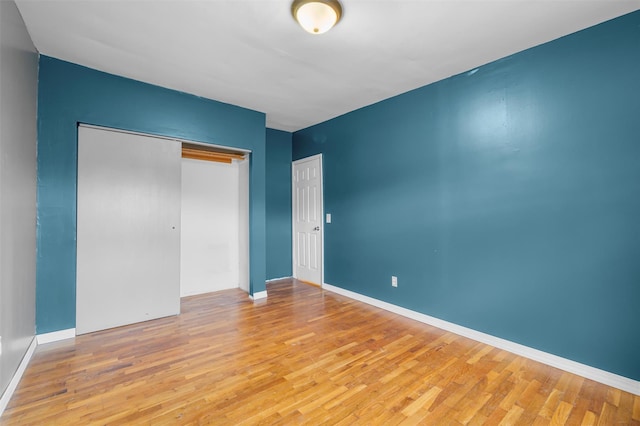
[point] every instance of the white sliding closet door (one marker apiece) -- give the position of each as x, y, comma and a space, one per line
128, 259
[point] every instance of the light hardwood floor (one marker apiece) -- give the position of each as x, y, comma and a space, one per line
303, 356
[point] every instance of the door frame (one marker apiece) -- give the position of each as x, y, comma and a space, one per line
322, 216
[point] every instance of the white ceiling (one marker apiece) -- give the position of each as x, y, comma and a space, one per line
251, 53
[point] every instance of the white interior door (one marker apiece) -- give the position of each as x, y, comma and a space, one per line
307, 219
128, 229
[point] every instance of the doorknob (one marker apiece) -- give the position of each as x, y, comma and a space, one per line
317, 228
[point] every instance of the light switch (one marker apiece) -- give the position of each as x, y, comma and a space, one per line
328, 218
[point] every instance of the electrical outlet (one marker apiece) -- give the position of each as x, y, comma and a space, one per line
394, 281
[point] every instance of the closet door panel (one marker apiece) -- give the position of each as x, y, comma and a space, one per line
128, 229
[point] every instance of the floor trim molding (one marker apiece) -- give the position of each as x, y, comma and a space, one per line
258, 295
55, 336
13, 384
278, 279
610, 379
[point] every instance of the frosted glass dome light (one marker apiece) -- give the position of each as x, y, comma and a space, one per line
316, 16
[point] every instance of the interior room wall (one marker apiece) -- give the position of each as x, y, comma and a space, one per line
278, 195
18, 86
210, 227
69, 94
505, 199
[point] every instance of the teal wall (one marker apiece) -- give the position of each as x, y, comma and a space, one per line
69, 94
505, 199
278, 200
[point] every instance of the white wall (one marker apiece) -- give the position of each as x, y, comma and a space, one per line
18, 88
210, 249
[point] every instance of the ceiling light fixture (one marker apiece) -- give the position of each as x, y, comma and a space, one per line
316, 16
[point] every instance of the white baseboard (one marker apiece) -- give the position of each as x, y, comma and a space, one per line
13, 384
55, 336
610, 379
277, 279
259, 295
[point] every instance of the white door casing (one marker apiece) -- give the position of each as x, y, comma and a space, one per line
128, 228
307, 210
243, 198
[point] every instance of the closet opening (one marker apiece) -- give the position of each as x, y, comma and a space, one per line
214, 241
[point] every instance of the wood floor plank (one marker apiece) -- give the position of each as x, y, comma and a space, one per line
561, 414
424, 401
589, 419
636, 408
512, 417
303, 356
607, 415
